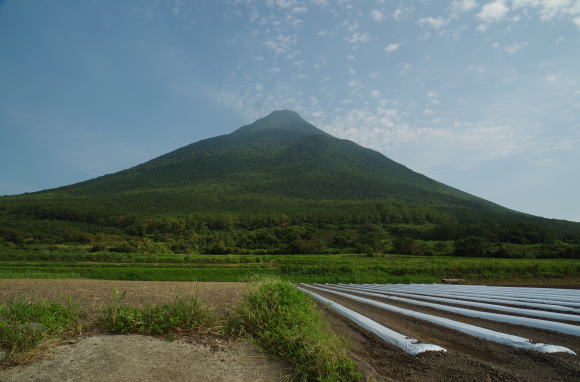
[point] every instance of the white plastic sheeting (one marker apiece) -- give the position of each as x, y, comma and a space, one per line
408, 345
555, 296
469, 296
525, 321
438, 288
501, 308
472, 330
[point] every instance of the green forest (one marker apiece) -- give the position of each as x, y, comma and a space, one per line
368, 228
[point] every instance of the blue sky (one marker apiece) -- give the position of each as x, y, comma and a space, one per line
481, 95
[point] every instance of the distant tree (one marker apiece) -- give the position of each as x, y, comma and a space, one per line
408, 246
472, 246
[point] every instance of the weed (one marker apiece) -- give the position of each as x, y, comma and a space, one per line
24, 326
183, 314
285, 322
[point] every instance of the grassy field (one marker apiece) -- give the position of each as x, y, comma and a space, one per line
295, 268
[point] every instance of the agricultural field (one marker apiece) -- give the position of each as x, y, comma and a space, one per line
328, 268
457, 332
417, 332
468, 346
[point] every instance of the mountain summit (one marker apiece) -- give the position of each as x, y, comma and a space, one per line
281, 120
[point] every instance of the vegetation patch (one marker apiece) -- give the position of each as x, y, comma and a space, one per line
183, 314
329, 268
27, 326
286, 323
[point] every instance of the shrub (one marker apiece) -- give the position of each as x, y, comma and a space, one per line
285, 322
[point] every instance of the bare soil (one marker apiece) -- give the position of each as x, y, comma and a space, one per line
93, 294
149, 359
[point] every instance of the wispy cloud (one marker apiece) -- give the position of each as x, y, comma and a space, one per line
433, 22
358, 37
515, 47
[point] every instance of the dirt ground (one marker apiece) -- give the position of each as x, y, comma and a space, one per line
149, 359
467, 358
91, 294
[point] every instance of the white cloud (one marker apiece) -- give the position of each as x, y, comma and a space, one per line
525, 3
375, 93
281, 44
281, 3
433, 22
551, 8
515, 47
548, 9
354, 83
378, 15
358, 37
402, 12
406, 68
461, 6
393, 47
428, 148
300, 10
493, 12
577, 21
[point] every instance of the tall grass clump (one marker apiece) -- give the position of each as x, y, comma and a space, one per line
183, 314
26, 326
285, 322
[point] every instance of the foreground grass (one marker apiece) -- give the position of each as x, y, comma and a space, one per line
28, 326
286, 323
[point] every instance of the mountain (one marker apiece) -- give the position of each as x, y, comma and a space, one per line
280, 164
280, 157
